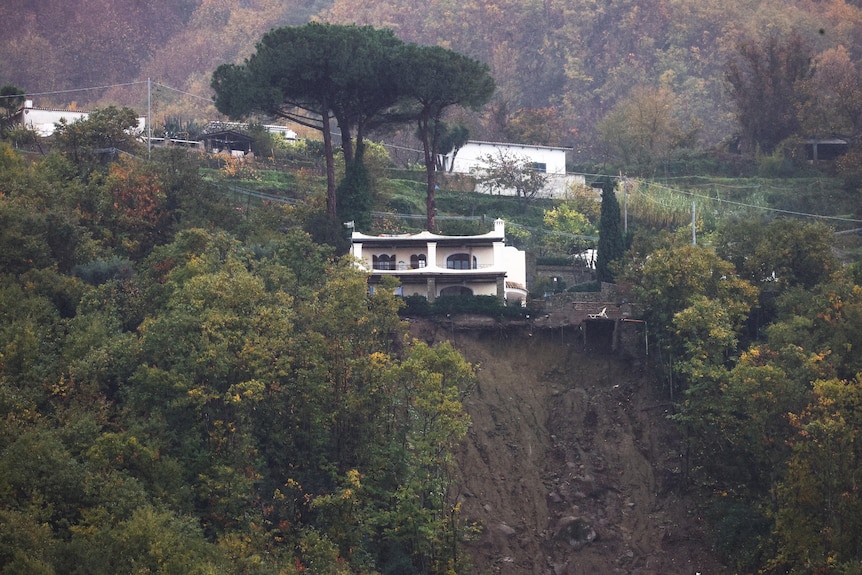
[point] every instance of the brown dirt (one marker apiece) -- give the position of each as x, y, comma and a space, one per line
570, 466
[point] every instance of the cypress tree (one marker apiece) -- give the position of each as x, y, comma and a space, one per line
354, 195
611, 245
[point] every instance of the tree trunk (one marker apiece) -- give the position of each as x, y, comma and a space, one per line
430, 201
330, 169
431, 174
346, 145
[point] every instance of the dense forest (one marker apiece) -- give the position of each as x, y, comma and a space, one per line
185, 388
567, 73
192, 386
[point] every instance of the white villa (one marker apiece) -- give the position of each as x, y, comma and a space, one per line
546, 159
432, 265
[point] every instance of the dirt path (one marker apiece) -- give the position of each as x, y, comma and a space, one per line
569, 465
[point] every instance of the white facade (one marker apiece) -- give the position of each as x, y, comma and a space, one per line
43, 120
546, 159
432, 265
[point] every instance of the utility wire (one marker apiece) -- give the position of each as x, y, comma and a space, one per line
69, 91
620, 178
262, 195
183, 92
284, 200
752, 206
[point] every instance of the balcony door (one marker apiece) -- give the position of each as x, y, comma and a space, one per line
461, 262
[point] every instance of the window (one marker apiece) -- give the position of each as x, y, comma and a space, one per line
383, 262
417, 261
540, 167
461, 262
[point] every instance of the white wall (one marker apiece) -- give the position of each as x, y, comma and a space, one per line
515, 263
472, 154
43, 120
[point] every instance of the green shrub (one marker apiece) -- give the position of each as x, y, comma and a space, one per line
739, 533
482, 304
417, 306
486, 305
98, 272
773, 165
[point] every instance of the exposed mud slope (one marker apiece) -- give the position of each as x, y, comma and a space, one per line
570, 464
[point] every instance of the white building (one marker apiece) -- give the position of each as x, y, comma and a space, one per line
43, 120
546, 159
432, 265
549, 160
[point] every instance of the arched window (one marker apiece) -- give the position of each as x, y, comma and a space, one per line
461, 262
417, 261
383, 262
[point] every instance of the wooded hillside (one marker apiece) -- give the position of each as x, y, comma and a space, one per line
560, 67
191, 384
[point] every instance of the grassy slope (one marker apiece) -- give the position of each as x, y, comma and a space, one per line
656, 204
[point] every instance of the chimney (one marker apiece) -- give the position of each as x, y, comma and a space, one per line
500, 227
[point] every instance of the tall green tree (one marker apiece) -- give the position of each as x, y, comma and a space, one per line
427, 421
433, 80
572, 232
818, 516
825, 322
776, 255
11, 102
766, 82
611, 245
311, 74
671, 278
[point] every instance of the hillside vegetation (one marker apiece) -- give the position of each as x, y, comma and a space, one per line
192, 382
185, 391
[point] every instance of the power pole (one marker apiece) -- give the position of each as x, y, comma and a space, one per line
625, 183
149, 117
693, 228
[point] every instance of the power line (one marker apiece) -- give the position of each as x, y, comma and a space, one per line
209, 100
121, 85
750, 206
69, 91
649, 184
284, 200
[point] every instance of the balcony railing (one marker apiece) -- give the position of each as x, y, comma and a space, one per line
402, 266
